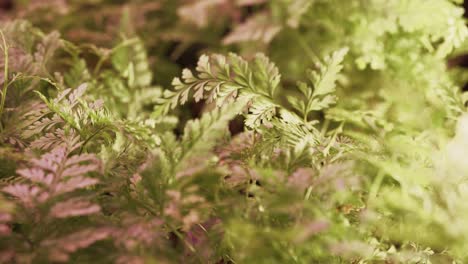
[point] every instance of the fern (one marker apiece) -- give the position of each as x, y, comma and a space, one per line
199, 132
351, 161
56, 174
256, 28
215, 83
259, 80
321, 96
131, 61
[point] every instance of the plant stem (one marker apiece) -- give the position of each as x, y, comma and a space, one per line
90, 137
308, 51
5, 81
376, 186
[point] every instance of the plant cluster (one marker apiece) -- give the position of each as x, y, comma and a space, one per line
307, 131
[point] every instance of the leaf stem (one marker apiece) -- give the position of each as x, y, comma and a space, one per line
308, 51
333, 139
5, 81
376, 186
90, 137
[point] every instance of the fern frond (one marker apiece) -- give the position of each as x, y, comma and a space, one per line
258, 27
198, 12
221, 79
320, 96
130, 59
61, 248
49, 193
55, 173
201, 134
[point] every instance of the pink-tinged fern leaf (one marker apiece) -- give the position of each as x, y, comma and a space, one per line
198, 12
18, 124
74, 207
138, 231
5, 218
36, 175
61, 248
54, 139
42, 123
47, 48
74, 183
28, 195
54, 173
256, 28
78, 119
48, 196
73, 95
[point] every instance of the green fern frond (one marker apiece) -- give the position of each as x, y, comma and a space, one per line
201, 134
320, 96
221, 79
131, 60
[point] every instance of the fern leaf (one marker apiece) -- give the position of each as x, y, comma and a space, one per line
200, 134
321, 95
260, 113
54, 174
131, 60
198, 12
73, 207
258, 27
61, 248
222, 79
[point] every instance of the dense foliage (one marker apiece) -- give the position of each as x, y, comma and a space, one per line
307, 131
